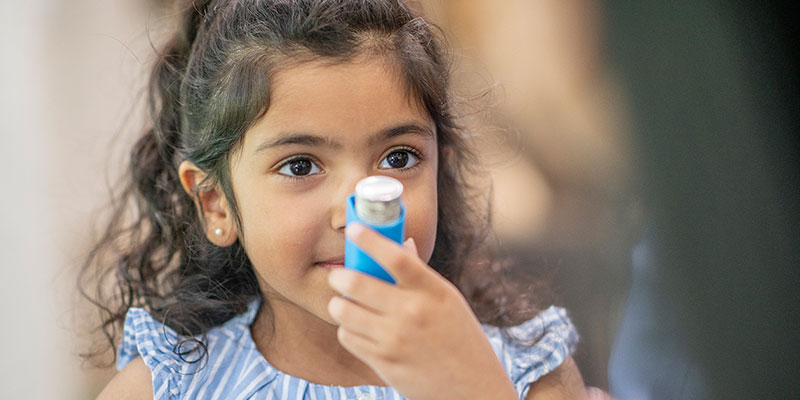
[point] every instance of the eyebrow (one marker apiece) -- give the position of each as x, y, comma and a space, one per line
306, 139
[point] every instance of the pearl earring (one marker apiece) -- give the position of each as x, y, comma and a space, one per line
218, 231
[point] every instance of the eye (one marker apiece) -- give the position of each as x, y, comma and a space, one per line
400, 158
299, 167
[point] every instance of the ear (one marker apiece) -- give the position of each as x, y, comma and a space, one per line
216, 214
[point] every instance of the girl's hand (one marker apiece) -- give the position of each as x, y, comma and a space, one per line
420, 336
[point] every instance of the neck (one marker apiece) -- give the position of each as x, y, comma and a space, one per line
300, 344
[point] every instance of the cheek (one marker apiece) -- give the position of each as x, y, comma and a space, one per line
278, 234
421, 220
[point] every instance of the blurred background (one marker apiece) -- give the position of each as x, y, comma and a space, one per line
644, 159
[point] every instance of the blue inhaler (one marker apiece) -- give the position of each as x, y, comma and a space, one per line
377, 203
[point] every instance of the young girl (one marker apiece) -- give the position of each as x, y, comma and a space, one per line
267, 112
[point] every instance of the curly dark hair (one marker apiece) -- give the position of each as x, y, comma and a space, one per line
209, 85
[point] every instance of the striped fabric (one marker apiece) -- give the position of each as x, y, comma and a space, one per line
234, 368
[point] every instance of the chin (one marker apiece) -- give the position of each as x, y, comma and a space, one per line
321, 311
325, 317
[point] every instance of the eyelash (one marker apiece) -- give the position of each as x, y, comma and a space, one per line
288, 161
411, 150
296, 178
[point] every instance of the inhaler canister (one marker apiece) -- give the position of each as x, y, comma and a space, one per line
378, 204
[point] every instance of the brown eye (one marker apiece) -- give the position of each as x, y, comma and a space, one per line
299, 167
399, 159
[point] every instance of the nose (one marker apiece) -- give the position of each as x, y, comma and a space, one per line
347, 186
339, 214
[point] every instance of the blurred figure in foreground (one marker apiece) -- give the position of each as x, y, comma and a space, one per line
555, 138
714, 308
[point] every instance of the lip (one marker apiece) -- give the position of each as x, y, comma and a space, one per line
332, 263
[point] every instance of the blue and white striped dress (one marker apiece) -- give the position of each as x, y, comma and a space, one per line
235, 369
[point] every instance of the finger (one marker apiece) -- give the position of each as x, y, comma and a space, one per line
354, 317
360, 346
411, 246
406, 269
378, 295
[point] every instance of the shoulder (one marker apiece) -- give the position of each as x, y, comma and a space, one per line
179, 366
564, 382
536, 348
132, 382
148, 339
151, 349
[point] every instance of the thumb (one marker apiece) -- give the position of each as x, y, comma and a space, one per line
411, 247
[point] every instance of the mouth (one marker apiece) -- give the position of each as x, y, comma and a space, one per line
331, 264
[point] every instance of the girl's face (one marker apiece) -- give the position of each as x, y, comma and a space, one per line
327, 127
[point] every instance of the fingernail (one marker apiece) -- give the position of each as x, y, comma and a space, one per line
412, 246
333, 276
353, 229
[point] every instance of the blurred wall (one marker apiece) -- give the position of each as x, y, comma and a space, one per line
71, 72
32, 338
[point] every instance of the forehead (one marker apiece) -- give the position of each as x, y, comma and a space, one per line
346, 102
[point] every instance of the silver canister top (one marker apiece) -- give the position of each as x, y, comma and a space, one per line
378, 198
